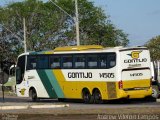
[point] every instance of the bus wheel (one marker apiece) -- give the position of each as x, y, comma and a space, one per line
155, 91
33, 95
97, 96
87, 98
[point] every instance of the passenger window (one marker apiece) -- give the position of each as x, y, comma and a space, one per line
55, 61
103, 61
31, 62
79, 61
67, 62
42, 62
111, 60
92, 61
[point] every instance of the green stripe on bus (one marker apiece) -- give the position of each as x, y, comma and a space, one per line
46, 82
55, 83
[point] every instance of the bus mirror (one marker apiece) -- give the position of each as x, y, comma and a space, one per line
18, 74
12, 71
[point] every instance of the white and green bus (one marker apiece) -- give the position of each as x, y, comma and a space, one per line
91, 73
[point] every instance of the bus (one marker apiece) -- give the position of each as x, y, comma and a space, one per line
91, 73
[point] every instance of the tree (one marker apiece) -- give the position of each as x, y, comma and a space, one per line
48, 27
154, 47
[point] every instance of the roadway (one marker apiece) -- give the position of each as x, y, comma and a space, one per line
77, 109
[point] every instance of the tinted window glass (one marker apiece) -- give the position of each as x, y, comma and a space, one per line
31, 62
92, 61
55, 61
103, 61
79, 61
42, 62
67, 61
111, 60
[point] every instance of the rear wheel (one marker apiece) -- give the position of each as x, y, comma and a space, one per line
155, 91
97, 97
86, 96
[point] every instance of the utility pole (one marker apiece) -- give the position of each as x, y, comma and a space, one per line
76, 19
24, 35
77, 23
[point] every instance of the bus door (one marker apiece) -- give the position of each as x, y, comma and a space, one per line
21, 84
135, 69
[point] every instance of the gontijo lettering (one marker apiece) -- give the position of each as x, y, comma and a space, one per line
135, 60
79, 75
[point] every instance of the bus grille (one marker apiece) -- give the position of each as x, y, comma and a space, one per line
111, 89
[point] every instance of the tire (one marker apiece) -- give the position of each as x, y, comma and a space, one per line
155, 91
33, 95
97, 97
86, 96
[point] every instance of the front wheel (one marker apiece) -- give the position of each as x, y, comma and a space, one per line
33, 95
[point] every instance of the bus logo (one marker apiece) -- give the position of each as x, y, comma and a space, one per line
135, 54
22, 91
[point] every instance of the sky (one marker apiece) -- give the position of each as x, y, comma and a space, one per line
140, 19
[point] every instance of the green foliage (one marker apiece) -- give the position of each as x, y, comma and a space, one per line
49, 27
154, 47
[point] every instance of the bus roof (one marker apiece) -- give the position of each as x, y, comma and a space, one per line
82, 48
77, 48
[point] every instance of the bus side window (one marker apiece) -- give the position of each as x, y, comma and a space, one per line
92, 61
79, 61
31, 62
67, 61
103, 61
54, 61
42, 62
111, 60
